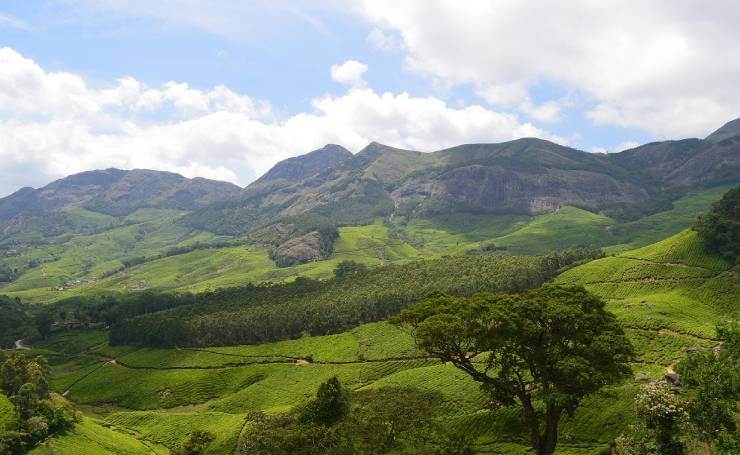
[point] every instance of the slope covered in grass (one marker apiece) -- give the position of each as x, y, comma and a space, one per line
160, 395
90, 437
675, 284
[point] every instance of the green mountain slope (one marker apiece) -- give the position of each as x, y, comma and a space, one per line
526, 176
675, 284
94, 264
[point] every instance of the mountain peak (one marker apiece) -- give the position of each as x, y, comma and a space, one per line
303, 166
726, 131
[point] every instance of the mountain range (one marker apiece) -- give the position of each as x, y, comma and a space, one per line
528, 195
524, 176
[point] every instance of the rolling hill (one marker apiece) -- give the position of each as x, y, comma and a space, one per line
668, 295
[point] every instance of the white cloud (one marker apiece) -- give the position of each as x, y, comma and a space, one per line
383, 41
55, 123
349, 73
667, 67
622, 146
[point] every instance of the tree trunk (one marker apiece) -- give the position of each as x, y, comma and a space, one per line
549, 440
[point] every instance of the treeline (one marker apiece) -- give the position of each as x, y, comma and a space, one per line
720, 227
8, 274
270, 312
16, 321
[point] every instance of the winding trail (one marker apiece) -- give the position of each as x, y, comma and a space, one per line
20, 346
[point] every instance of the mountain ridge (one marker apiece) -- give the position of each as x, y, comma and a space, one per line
524, 176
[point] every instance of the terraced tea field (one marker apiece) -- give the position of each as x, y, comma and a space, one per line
668, 295
160, 395
674, 284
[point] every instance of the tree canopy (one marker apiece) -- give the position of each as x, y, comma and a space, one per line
544, 349
720, 227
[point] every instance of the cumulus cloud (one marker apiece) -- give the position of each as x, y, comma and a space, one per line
667, 67
349, 73
56, 123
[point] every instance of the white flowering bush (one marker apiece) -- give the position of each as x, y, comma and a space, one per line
658, 406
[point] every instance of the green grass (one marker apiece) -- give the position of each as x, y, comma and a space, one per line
171, 428
174, 391
567, 227
151, 232
90, 437
655, 227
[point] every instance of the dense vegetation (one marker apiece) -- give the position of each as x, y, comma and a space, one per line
699, 413
15, 321
720, 227
36, 414
268, 312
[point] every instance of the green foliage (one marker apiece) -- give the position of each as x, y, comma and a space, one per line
553, 345
346, 269
25, 381
15, 321
90, 438
676, 284
713, 383
386, 420
196, 444
720, 227
43, 321
330, 405
662, 415
268, 312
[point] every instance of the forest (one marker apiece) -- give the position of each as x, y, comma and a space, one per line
271, 312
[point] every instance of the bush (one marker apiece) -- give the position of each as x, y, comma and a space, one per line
195, 444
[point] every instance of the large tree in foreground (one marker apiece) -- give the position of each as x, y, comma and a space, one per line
545, 349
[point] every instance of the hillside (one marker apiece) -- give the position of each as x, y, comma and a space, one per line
95, 200
166, 255
675, 284
668, 295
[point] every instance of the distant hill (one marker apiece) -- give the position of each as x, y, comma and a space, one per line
525, 176
83, 200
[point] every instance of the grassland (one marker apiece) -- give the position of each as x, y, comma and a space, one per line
95, 438
669, 295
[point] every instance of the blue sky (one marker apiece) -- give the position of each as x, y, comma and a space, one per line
424, 75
